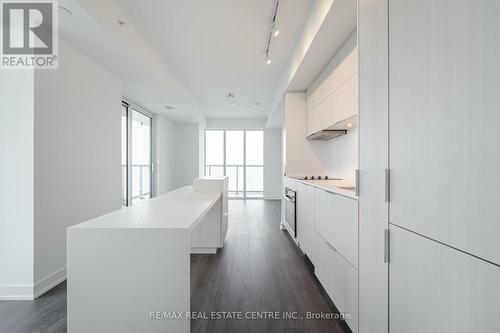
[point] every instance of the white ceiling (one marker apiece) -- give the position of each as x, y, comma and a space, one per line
213, 47
93, 28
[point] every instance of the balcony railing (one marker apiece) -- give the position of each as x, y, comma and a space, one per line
236, 177
141, 181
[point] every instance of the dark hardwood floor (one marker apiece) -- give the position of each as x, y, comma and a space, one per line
47, 314
258, 270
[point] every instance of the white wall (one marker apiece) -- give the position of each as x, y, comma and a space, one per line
186, 156
272, 163
77, 154
341, 155
201, 148
301, 156
16, 179
177, 153
165, 137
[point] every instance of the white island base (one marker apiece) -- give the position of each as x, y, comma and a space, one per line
127, 266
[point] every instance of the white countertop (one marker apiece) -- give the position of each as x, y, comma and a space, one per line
331, 185
178, 209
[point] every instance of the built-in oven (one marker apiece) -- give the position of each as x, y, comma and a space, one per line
290, 210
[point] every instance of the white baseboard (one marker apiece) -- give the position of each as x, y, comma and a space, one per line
29, 291
49, 282
18, 292
282, 226
203, 250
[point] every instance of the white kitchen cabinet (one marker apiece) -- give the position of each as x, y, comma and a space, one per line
344, 70
441, 119
343, 287
336, 98
290, 183
339, 279
321, 266
321, 211
444, 115
435, 288
336, 220
342, 226
373, 160
305, 219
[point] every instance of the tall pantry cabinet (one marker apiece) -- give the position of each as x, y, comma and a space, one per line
441, 190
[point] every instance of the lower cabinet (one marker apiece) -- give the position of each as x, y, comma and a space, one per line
305, 219
340, 280
435, 288
336, 220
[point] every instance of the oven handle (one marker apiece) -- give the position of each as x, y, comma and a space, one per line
289, 198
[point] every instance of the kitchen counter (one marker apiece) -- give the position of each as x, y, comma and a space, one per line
338, 186
179, 209
135, 261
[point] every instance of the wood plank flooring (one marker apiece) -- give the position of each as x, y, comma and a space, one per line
47, 314
258, 270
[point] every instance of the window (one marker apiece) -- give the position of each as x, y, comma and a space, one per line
239, 154
136, 156
254, 163
124, 156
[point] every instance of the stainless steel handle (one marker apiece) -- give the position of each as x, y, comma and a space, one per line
357, 183
387, 247
330, 246
387, 184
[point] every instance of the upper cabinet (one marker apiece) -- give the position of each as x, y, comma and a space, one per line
444, 115
332, 101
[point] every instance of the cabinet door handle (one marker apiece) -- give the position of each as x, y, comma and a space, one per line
387, 248
357, 183
330, 246
387, 185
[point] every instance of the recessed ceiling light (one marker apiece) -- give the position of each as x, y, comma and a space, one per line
169, 107
232, 104
268, 61
276, 33
349, 125
65, 10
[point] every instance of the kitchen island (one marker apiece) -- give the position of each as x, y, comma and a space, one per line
127, 266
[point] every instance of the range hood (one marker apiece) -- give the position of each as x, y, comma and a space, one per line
338, 129
326, 134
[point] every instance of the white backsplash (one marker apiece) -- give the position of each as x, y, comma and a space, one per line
341, 156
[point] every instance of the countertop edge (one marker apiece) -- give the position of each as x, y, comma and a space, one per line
333, 189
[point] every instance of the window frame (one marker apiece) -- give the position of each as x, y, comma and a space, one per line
129, 109
245, 130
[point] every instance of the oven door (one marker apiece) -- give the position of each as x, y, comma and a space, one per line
290, 212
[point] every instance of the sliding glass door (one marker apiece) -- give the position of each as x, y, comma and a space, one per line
125, 155
239, 154
235, 162
136, 156
254, 164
